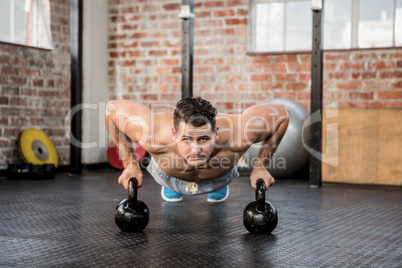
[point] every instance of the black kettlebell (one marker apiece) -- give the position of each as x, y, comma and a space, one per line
132, 215
260, 216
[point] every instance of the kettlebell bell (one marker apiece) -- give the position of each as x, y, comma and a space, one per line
260, 216
132, 215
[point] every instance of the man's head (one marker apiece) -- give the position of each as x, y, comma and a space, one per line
195, 129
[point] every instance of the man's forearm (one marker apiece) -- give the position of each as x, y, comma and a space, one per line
123, 144
270, 144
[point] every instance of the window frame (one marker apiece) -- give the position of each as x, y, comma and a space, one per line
38, 13
251, 46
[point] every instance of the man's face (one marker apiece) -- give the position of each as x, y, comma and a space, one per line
195, 144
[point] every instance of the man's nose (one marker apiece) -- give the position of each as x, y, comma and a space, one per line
195, 148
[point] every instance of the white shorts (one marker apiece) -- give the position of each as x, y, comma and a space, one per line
190, 188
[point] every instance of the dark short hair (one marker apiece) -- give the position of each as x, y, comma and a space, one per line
195, 111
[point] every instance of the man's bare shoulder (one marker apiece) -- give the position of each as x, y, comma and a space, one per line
161, 124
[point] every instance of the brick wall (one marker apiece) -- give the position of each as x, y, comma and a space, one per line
145, 60
364, 78
35, 89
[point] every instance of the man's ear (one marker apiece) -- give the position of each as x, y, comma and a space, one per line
216, 133
174, 133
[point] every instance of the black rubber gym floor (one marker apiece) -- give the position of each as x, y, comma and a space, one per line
69, 222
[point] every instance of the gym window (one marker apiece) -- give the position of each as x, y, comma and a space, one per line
26, 22
286, 25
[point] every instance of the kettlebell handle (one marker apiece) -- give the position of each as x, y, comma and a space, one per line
260, 195
132, 192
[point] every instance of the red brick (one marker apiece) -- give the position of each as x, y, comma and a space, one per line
17, 80
286, 77
237, 3
375, 104
383, 65
396, 55
169, 62
297, 86
304, 77
349, 85
285, 95
149, 97
169, 97
4, 59
50, 83
4, 121
347, 104
261, 77
127, 63
202, 14
394, 74
37, 82
399, 64
203, 69
224, 31
9, 70
386, 95
261, 59
9, 111
170, 25
176, 70
397, 85
117, 54
139, 35
213, 61
174, 6
352, 66
242, 11
329, 66
397, 104
342, 75
7, 90
279, 67
171, 79
171, 44
213, 4
335, 57
212, 23
135, 18
236, 21
224, 13
360, 56
163, 70
129, 27
367, 95
244, 87
3, 101
159, 35
19, 101
157, 53
136, 53
303, 95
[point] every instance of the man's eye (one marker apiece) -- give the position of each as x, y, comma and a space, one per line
186, 139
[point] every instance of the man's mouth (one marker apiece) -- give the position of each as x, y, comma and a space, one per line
196, 157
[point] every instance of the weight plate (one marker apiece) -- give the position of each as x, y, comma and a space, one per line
36, 147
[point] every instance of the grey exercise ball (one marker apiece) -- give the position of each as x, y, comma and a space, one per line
290, 156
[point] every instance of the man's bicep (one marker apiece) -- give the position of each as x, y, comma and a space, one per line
261, 121
255, 128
